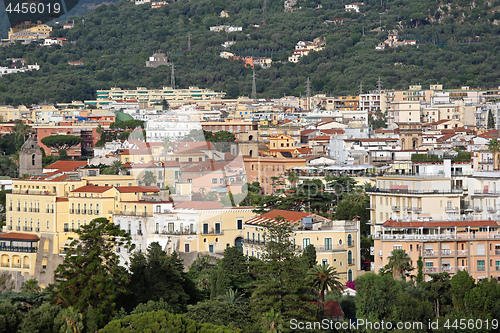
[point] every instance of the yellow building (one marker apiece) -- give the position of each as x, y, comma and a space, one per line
337, 243
29, 31
42, 212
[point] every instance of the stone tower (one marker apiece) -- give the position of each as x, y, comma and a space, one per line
30, 158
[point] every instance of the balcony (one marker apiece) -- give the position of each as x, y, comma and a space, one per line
253, 242
478, 209
452, 209
417, 192
461, 268
429, 253
129, 213
19, 249
491, 209
350, 262
37, 229
447, 252
380, 253
213, 232
371, 207
497, 268
350, 244
462, 252
18, 228
417, 210
395, 208
430, 269
448, 269
481, 268
139, 232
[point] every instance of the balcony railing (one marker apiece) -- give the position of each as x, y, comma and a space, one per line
19, 249
497, 268
491, 209
497, 251
350, 244
481, 268
462, 252
448, 269
429, 253
430, 269
446, 252
350, 262
130, 213
395, 209
213, 232
452, 209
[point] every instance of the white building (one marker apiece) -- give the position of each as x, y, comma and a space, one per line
170, 126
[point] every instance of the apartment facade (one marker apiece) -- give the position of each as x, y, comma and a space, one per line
445, 246
337, 243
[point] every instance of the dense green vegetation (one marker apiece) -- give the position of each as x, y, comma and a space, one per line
458, 46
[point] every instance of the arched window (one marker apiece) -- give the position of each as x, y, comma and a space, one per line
349, 240
350, 260
349, 275
33, 157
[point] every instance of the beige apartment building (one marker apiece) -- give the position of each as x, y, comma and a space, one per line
445, 246
337, 243
413, 197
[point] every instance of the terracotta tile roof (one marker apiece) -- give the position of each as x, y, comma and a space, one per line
199, 205
305, 132
333, 131
61, 199
134, 189
65, 166
19, 236
436, 224
332, 309
289, 216
319, 138
92, 189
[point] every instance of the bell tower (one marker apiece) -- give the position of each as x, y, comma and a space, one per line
30, 158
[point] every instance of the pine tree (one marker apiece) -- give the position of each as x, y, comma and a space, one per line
491, 121
90, 276
280, 284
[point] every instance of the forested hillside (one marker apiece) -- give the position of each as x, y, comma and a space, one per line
458, 44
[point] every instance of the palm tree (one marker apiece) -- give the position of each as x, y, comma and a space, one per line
494, 147
149, 178
234, 298
325, 277
31, 286
399, 264
293, 177
117, 167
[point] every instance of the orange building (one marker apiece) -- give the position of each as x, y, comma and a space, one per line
262, 169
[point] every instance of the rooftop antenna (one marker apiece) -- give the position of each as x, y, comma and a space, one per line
172, 78
361, 87
379, 84
254, 86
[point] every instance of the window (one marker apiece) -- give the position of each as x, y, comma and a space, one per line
350, 260
66, 227
350, 242
214, 180
480, 249
239, 224
211, 248
480, 265
306, 242
324, 262
97, 209
349, 275
217, 228
186, 247
189, 180
328, 243
205, 228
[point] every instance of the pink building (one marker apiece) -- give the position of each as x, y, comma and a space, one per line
445, 246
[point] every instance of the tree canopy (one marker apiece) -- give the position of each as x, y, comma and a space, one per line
64, 142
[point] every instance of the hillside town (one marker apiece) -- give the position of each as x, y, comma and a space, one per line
430, 172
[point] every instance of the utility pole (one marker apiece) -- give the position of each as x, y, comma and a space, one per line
361, 87
379, 84
172, 77
254, 86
